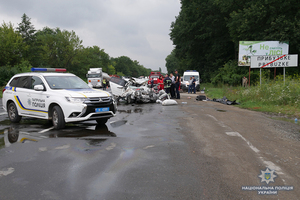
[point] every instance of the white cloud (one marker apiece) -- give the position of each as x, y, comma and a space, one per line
138, 29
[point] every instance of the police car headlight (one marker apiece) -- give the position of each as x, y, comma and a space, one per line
76, 99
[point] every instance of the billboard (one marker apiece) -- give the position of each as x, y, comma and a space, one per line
260, 48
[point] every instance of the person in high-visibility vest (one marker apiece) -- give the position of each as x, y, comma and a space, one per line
167, 83
104, 84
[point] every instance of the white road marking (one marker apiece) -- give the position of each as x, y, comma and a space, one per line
48, 129
3, 113
63, 147
268, 164
272, 166
111, 147
249, 143
219, 122
212, 117
7, 172
42, 149
150, 146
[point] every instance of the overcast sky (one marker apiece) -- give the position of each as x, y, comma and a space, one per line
138, 29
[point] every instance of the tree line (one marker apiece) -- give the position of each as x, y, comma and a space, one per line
206, 35
24, 47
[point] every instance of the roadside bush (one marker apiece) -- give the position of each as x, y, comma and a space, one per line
272, 92
232, 74
6, 72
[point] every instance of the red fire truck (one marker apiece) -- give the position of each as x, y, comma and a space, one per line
154, 76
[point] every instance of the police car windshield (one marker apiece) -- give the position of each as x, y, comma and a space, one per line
66, 82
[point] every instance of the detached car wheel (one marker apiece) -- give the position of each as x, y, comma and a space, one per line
58, 118
13, 114
101, 121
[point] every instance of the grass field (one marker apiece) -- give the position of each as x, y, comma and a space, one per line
278, 97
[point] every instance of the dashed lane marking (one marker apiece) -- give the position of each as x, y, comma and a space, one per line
249, 143
7, 172
268, 164
150, 146
48, 129
111, 147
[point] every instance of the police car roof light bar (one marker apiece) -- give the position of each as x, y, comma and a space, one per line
48, 70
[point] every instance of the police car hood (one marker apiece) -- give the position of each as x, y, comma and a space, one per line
86, 93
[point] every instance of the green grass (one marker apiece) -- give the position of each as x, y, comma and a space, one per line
276, 97
1, 91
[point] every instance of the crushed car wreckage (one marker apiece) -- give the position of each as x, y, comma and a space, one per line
133, 91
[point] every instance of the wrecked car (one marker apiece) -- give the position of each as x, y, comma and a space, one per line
132, 91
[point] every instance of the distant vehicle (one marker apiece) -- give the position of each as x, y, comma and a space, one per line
186, 78
59, 97
155, 76
95, 77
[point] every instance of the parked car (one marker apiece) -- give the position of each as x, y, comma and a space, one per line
60, 97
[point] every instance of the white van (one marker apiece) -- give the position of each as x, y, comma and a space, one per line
186, 78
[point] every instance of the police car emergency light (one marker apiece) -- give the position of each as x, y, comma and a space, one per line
48, 70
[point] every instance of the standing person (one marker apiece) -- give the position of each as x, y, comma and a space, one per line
167, 82
194, 85
172, 89
190, 88
151, 82
104, 84
160, 83
177, 84
245, 82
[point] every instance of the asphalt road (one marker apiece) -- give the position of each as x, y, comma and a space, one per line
197, 150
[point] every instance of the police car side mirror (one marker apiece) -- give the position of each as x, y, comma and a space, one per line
38, 87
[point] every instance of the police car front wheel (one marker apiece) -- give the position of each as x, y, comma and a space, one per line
58, 118
13, 113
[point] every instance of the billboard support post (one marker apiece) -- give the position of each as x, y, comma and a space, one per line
249, 75
284, 75
260, 76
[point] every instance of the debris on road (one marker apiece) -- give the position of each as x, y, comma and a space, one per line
132, 91
169, 102
224, 100
201, 97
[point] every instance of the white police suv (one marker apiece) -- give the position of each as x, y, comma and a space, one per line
60, 97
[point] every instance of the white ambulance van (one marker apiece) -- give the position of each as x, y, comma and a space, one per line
186, 78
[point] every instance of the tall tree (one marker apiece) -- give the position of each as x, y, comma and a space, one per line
58, 48
11, 46
201, 38
172, 62
27, 30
